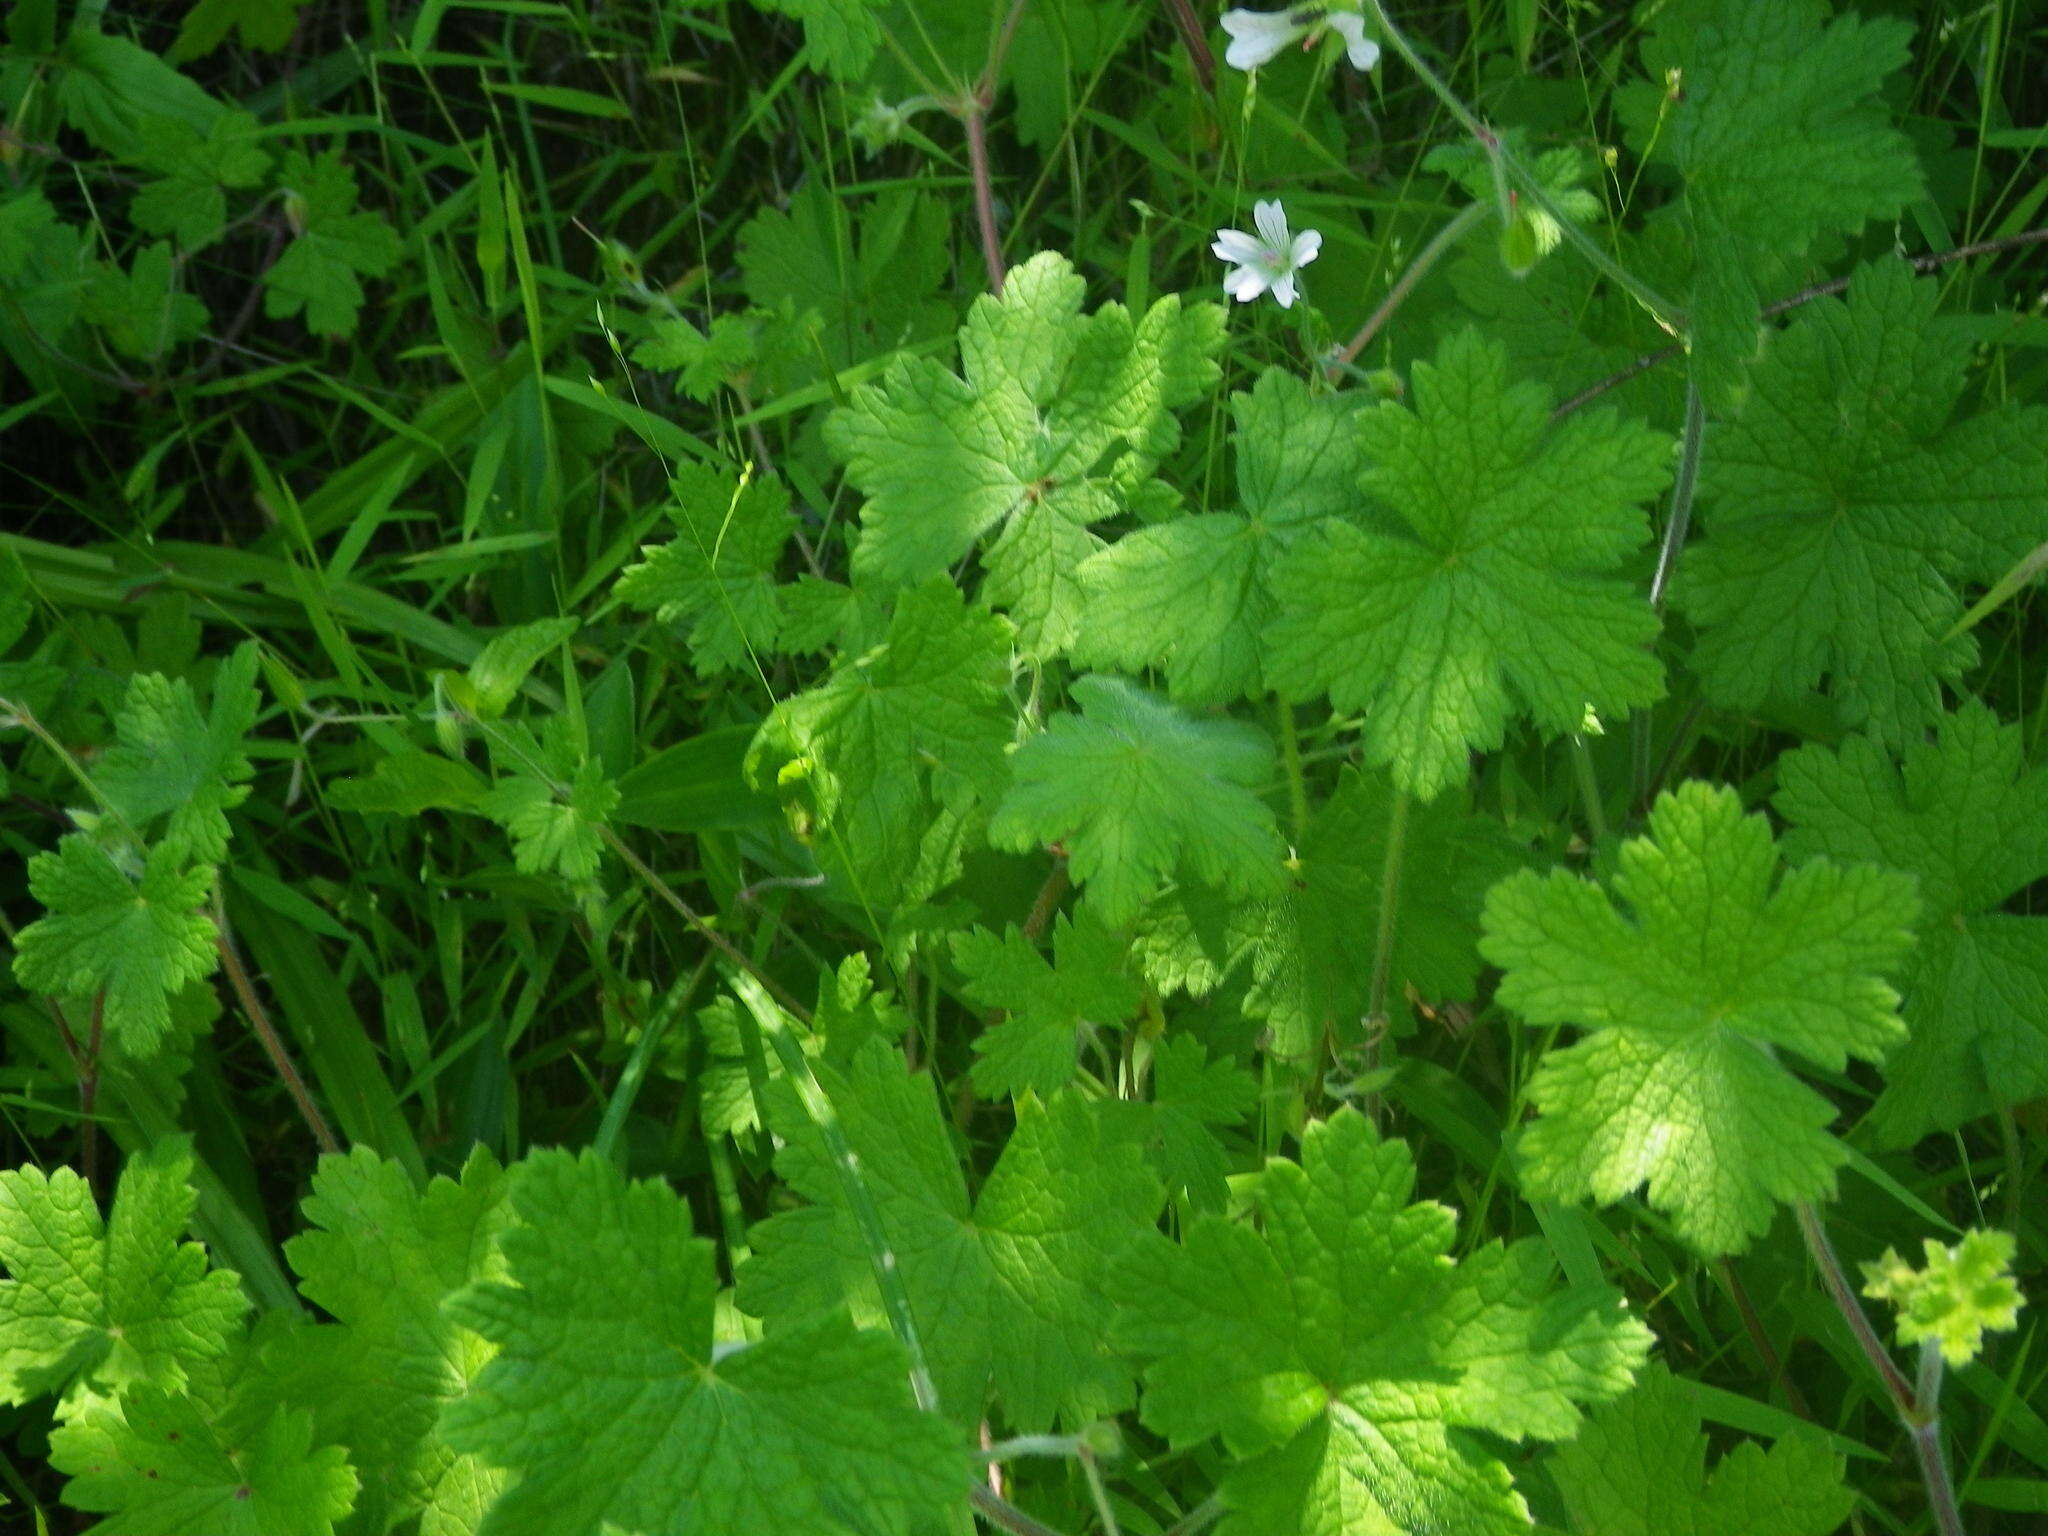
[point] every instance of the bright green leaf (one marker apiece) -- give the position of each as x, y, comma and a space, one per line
1194, 595
1347, 1362
1136, 791
715, 581
1487, 585
1713, 968
1962, 1293
218, 1458
1051, 413
1008, 1290
1085, 986
128, 941
112, 1305
320, 272
611, 1403
169, 760
911, 728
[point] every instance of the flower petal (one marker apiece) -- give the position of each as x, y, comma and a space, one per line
1256, 36
1284, 290
1307, 246
1360, 49
1271, 221
1244, 284
1234, 245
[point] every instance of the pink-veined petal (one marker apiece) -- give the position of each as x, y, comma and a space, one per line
1271, 220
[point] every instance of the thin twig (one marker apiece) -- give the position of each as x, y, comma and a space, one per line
1931, 262
703, 929
266, 1032
1753, 1325
1426, 258
1198, 1519
89, 1094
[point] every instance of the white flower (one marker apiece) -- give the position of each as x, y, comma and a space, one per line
1257, 36
1269, 259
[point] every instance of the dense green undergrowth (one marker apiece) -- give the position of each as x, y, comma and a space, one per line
729, 811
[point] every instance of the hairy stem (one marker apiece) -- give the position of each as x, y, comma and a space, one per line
1198, 1519
89, 1093
1941, 1490
1917, 1405
984, 195
1057, 883
1001, 1513
1589, 789
974, 113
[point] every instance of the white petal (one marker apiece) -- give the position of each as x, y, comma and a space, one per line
1284, 290
1307, 246
1272, 224
1360, 49
1244, 284
1235, 245
1256, 36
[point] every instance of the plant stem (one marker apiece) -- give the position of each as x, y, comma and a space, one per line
1297, 787
1930, 262
999, 1511
974, 113
1839, 1290
1390, 901
1198, 1519
1917, 1405
1057, 883
1195, 42
266, 1032
1099, 1492
89, 1094
620, 1103
1663, 310
1425, 258
984, 195
1682, 490
1589, 788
